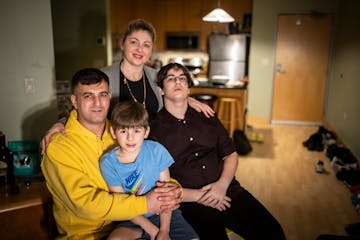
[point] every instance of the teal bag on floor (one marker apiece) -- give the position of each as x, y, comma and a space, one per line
26, 157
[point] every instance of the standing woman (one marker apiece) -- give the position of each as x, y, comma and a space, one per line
131, 79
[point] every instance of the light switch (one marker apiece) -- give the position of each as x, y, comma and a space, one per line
29, 85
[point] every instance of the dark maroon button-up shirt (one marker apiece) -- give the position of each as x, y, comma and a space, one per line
198, 145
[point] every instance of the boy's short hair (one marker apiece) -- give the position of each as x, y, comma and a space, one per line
129, 114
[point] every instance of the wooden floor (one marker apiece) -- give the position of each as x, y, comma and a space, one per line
281, 174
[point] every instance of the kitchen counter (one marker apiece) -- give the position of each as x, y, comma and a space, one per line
204, 83
239, 92
222, 86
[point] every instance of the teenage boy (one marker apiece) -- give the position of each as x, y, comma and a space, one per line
205, 166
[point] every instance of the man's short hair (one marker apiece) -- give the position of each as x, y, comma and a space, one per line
88, 76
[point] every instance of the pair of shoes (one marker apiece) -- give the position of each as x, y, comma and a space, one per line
319, 167
256, 137
260, 137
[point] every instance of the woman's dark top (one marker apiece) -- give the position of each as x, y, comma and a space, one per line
137, 89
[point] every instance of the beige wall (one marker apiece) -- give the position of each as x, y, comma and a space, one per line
26, 52
342, 111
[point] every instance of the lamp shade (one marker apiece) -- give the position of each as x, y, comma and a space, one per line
218, 15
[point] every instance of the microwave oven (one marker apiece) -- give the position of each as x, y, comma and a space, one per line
182, 40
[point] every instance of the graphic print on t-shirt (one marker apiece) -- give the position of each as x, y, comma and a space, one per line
134, 183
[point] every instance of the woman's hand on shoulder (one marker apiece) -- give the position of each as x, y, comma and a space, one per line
201, 107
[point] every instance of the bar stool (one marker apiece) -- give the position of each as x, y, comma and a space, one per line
209, 99
228, 109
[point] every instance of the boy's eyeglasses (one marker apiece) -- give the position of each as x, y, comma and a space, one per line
172, 78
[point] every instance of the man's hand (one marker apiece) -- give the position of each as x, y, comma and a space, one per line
57, 127
165, 197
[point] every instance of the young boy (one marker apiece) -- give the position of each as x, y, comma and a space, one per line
134, 167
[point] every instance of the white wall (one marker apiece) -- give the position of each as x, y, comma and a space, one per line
26, 45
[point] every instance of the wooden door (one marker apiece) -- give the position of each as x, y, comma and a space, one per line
301, 68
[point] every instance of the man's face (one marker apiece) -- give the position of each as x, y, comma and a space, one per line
92, 103
175, 85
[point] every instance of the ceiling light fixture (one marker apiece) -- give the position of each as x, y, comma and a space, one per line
218, 15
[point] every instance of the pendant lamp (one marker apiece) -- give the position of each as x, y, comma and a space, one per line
218, 15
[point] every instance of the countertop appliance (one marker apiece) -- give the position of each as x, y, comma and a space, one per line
183, 41
228, 58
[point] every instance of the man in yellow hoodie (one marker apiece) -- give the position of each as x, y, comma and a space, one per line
83, 206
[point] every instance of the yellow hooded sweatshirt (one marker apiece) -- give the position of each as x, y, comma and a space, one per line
83, 206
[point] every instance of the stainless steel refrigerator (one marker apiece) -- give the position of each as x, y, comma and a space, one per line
228, 57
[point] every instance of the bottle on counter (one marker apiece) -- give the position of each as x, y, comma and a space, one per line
6, 164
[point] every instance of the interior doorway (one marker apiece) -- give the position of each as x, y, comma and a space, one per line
302, 59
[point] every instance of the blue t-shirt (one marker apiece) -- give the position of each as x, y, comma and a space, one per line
140, 176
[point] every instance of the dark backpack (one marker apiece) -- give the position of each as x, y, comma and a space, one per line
241, 142
314, 142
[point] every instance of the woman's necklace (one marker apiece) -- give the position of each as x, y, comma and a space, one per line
131, 93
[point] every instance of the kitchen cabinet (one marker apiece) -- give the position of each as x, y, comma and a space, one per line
182, 16
175, 16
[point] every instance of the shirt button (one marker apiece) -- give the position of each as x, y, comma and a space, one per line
203, 166
191, 139
196, 154
184, 121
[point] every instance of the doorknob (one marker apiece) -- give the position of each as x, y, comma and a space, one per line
279, 69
